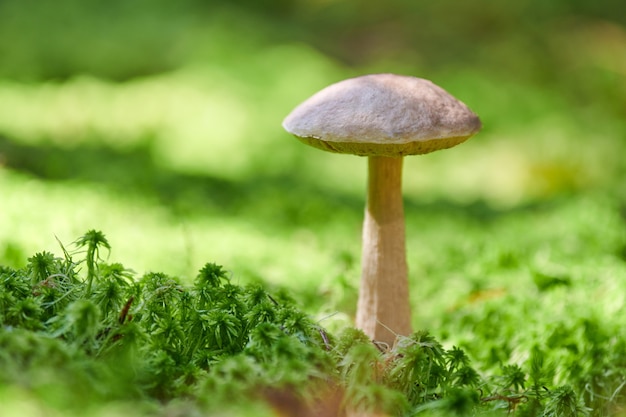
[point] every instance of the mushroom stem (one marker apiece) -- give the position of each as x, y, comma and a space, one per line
383, 310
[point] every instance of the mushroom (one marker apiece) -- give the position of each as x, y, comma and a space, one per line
383, 117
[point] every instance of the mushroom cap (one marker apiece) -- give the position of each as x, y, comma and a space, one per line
382, 115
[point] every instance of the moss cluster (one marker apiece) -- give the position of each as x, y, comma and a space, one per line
78, 340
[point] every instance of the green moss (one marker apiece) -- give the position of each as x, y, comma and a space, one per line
102, 338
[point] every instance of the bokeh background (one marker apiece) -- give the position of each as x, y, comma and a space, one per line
159, 123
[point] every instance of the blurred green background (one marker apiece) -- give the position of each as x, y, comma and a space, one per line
159, 123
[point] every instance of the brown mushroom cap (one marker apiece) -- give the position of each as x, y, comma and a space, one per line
382, 115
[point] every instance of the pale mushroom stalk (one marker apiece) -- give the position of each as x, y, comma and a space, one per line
384, 310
